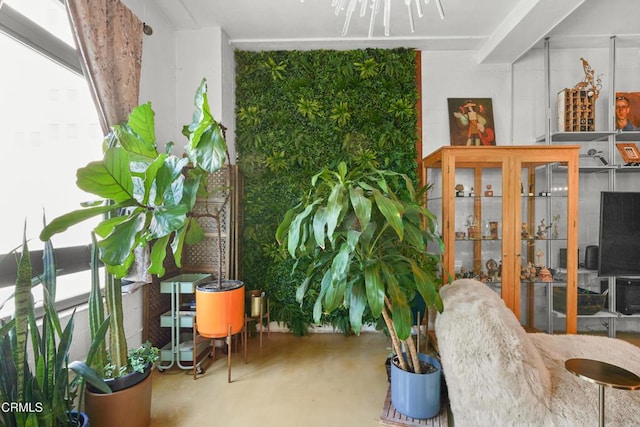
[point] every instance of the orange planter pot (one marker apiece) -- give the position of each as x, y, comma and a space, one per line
217, 307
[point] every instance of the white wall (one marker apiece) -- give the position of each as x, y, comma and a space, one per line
457, 75
158, 75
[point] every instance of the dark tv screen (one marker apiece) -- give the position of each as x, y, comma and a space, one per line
619, 252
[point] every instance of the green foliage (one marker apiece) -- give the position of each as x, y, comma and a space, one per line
328, 106
147, 196
43, 390
364, 232
147, 185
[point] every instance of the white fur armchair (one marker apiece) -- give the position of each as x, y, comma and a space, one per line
499, 375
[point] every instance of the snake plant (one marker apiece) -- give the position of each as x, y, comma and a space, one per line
40, 393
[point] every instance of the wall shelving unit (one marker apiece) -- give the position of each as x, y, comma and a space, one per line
607, 175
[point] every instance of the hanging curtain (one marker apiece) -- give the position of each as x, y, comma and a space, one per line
109, 38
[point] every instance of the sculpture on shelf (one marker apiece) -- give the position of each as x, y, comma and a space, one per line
554, 231
542, 230
591, 83
545, 275
492, 270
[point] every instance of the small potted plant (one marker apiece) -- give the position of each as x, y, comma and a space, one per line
366, 233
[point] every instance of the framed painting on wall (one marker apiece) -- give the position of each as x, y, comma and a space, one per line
628, 111
471, 121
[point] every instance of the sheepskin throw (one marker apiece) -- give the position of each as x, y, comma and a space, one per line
499, 375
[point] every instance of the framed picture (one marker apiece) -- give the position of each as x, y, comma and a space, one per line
471, 121
628, 111
629, 152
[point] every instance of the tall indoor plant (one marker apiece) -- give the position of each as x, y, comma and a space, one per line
366, 232
147, 196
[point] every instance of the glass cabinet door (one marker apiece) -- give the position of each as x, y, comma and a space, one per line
507, 217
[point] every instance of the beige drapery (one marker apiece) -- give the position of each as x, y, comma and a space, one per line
109, 38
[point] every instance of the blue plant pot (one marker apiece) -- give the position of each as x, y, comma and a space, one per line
416, 395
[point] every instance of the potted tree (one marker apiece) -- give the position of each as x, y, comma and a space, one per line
366, 233
146, 197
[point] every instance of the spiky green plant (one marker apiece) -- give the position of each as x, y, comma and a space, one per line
41, 393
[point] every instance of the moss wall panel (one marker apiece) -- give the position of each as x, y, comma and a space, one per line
297, 112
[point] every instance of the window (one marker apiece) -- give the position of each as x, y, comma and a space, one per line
49, 129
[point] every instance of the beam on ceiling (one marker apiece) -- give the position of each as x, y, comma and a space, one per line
525, 26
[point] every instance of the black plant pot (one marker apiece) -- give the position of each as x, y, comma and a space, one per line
387, 366
125, 381
79, 419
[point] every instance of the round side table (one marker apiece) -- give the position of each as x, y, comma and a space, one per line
603, 374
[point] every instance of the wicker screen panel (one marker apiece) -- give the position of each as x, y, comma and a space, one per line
203, 256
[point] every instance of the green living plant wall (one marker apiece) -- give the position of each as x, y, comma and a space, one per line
300, 111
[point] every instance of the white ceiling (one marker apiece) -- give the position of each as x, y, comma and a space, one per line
499, 30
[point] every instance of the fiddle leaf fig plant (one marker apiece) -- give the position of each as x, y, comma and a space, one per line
144, 190
366, 232
146, 195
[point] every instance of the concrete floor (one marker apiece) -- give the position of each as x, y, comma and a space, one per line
318, 380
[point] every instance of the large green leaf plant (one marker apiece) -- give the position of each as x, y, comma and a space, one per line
366, 232
146, 196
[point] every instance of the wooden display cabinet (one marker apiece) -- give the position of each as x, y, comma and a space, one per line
528, 186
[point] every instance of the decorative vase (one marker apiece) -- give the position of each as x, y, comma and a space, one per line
416, 395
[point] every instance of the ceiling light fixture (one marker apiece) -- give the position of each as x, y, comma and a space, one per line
373, 7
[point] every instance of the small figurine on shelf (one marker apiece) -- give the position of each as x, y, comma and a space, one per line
554, 231
472, 227
486, 230
545, 275
488, 192
459, 190
472, 193
524, 234
542, 230
539, 255
493, 229
492, 270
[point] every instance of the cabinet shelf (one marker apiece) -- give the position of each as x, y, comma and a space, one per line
601, 313
577, 136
